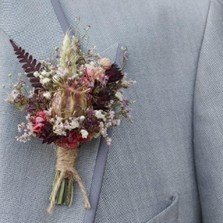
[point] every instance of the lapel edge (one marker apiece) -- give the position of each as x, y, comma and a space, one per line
60, 15
101, 159
195, 164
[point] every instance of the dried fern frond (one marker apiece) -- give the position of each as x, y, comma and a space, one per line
30, 65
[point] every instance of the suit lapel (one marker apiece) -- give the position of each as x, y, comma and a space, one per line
101, 159
60, 15
208, 116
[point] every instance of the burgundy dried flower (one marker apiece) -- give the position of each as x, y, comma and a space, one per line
101, 99
47, 134
101, 96
91, 123
114, 73
36, 103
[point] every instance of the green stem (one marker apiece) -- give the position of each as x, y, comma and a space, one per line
65, 192
54, 181
71, 193
61, 193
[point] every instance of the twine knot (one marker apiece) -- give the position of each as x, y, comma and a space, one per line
66, 165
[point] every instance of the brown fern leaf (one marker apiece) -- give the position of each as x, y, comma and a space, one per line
30, 65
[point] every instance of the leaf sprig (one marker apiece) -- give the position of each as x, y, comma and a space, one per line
30, 65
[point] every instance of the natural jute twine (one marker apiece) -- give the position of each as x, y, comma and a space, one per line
66, 164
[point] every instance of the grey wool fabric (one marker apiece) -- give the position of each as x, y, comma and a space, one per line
164, 167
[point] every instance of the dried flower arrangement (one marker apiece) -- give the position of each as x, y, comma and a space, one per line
76, 97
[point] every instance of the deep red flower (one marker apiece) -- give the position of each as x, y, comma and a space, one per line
72, 141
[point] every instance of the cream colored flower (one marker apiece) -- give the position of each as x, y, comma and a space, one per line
105, 63
47, 95
36, 74
119, 95
127, 83
45, 74
99, 73
74, 124
82, 118
96, 73
45, 80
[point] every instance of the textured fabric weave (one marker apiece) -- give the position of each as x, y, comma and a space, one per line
27, 170
208, 117
151, 158
166, 166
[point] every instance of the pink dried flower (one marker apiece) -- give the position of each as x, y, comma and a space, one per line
95, 73
39, 121
37, 128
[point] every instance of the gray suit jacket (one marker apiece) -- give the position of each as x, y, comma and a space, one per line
166, 166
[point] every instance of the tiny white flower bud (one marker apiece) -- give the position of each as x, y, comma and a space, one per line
99, 115
84, 133
45, 80
82, 118
47, 95
36, 74
119, 95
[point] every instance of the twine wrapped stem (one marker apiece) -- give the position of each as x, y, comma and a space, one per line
66, 174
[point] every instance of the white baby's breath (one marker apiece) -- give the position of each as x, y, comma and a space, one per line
100, 115
119, 95
127, 83
36, 74
58, 126
45, 74
71, 124
45, 80
47, 95
84, 133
